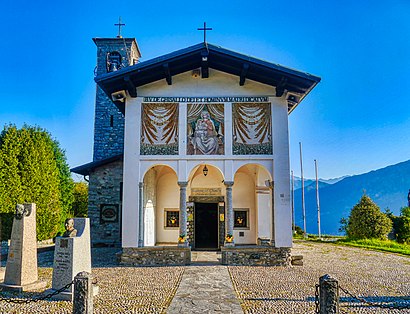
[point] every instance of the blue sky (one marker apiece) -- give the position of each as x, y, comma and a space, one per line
356, 120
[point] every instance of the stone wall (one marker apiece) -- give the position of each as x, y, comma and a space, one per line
105, 193
256, 256
155, 256
109, 121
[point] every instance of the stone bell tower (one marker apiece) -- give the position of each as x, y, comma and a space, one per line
113, 54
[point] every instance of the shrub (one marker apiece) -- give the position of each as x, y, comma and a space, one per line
80, 204
403, 226
366, 221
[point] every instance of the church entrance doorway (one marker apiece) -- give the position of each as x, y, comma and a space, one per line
206, 226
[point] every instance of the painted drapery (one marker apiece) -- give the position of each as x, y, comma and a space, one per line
252, 129
159, 129
205, 129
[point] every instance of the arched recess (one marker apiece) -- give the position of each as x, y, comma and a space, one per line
161, 195
206, 195
252, 204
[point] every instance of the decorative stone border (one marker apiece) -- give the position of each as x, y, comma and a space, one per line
155, 256
256, 256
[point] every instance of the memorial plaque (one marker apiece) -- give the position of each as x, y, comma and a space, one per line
206, 192
21, 269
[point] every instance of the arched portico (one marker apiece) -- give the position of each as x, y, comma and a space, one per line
206, 207
252, 205
160, 206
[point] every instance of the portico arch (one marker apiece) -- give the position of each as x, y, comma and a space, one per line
252, 204
206, 196
160, 202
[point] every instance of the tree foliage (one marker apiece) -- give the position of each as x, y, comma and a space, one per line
80, 204
366, 221
34, 170
402, 226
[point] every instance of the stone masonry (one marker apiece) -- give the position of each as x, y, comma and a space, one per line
105, 189
155, 256
105, 181
256, 256
109, 121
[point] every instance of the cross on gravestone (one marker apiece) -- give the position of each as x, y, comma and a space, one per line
119, 24
205, 29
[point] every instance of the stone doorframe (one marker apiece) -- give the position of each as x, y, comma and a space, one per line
221, 213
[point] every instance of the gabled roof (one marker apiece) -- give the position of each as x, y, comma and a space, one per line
87, 168
297, 84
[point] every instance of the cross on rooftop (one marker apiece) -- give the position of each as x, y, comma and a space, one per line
205, 29
119, 24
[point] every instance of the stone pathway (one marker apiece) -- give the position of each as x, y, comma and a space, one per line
378, 277
205, 289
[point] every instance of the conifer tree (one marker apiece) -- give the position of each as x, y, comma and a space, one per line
366, 221
33, 170
403, 225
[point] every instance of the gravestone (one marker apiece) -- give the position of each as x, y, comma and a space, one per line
72, 255
21, 268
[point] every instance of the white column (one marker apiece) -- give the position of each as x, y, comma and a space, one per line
281, 175
272, 201
182, 212
141, 215
131, 170
229, 212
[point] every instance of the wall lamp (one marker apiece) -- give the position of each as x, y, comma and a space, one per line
205, 171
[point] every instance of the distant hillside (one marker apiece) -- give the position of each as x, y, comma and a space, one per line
308, 182
388, 187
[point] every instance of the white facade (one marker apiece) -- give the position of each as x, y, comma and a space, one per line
158, 176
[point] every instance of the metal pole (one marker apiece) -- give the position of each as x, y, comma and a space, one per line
317, 201
293, 203
303, 192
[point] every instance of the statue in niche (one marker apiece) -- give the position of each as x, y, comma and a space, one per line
113, 61
70, 232
205, 137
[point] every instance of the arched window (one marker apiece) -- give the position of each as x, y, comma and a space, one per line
114, 60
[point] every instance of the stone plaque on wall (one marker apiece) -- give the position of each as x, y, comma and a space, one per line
109, 213
206, 191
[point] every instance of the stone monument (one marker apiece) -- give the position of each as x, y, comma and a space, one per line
21, 268
72, 255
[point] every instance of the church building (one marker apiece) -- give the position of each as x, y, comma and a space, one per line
191, 152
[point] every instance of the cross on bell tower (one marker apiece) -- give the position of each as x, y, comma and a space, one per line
205, 29
119, 24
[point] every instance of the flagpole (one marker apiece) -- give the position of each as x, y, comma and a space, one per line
303, 192
317, 201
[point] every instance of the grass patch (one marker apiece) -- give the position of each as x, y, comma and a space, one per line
373, 244
380, 245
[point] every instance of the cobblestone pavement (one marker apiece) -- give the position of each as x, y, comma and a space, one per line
377, 276
122, 289
205, 289
381, 276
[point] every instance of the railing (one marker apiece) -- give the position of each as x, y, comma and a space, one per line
327, 298
83, 294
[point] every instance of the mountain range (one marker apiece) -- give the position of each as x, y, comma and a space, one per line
387, 187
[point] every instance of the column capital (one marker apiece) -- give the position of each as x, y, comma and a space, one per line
228, 184
183, 184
